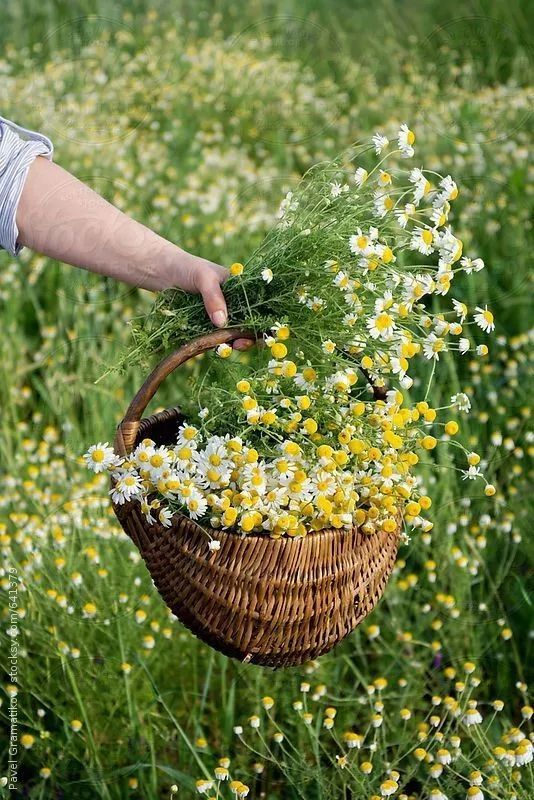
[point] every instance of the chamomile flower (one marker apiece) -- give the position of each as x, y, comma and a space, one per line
433, 346
460, 309
381, 326
472, 265
405, 215
224, 350
463, 345
127, 487
449, 191
421, 241
420, 183
461, 401
383, 203
361, 243
196, 504
484, 319
165, 517
471, 474
360, 176
406, 139
380, 142
100, 457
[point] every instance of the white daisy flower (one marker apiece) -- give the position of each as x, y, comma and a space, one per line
328, 347
421, 184
188, 436
385, 302
306, 379
255, 477
128, 486
361, 243
472, 265
335, 189
460, 308
196, 504
287, 204
383, 203
342, 280
449, 191
461, 401
159, 460
421, 241
399, 366
472, 717
274, 499
472, 474
433, 346
349, 320
101, 457
439, 215
381, 326
360, 176
406, 382
165, 517
315, 303
223, 350
484, 319
379, 142
437, 794
338, 381
406, 138
404, 216
463, 345
448, 245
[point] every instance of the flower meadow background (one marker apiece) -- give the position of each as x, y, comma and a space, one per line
197, 118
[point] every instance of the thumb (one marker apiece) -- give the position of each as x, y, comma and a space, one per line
214, 302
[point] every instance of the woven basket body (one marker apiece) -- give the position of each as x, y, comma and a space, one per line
273, 602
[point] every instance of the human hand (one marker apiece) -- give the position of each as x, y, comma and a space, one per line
199, 276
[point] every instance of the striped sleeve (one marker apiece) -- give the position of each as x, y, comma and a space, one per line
18, 148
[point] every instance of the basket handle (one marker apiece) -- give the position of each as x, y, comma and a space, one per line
127, 429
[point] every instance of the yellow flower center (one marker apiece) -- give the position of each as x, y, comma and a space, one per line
383, 321
387, 255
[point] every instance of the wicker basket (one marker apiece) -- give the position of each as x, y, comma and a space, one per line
273, 602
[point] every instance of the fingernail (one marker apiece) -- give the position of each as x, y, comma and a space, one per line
219, 317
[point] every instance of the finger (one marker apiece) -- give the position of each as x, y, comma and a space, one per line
243, 344
213, 298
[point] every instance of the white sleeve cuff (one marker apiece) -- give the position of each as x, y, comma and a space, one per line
16, 157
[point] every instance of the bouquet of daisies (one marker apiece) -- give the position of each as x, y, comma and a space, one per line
317, 428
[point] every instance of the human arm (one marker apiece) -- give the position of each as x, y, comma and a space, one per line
51, 211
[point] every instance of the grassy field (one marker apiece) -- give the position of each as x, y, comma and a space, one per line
196, 119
